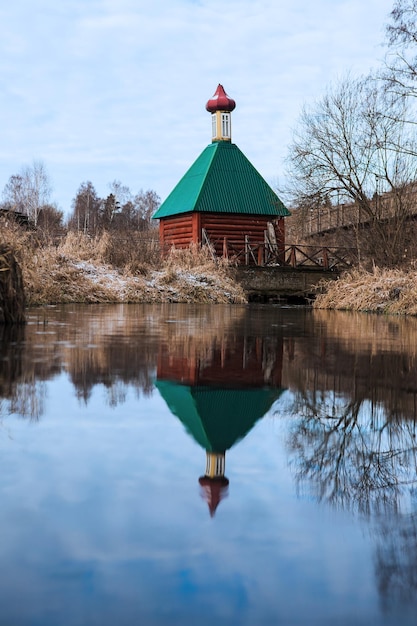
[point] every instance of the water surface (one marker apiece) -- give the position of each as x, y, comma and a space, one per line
108, 415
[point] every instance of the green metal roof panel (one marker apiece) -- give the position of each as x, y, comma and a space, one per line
222, 180
217, 418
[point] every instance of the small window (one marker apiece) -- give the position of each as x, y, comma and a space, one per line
213, 126
225, 125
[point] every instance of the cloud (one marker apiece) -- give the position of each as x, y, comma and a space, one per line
117, 88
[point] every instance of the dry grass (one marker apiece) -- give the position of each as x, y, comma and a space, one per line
99, 270
387, 291
121, 250
191, 276
199, 278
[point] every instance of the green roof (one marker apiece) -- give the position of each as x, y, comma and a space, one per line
222, 180
217, 418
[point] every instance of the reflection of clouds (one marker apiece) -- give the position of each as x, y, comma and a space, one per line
100, 510
100, 500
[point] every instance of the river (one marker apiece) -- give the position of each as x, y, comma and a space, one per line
196, 465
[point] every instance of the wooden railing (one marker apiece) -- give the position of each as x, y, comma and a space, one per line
295, 256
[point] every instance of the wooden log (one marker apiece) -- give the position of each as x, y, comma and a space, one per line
12, 294
178, 229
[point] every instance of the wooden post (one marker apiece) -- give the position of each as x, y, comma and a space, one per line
225, 253
246, 250
260, 255
325, 258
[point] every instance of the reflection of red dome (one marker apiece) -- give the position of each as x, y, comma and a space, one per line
220, 101
214, 490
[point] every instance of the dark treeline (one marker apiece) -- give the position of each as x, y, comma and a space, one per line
120, 210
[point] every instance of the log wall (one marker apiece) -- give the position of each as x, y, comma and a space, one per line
179, 231
229, 233
223, 230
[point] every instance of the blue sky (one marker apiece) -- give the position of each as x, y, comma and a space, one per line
105, 90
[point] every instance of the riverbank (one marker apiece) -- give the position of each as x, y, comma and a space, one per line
86, 282
82, 269
388, 291
76, 271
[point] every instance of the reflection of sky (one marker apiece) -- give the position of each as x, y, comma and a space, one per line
102, 523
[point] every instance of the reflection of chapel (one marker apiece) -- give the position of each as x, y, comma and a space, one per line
221, 200
216, 418
219, 399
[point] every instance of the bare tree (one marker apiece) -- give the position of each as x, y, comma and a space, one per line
133, 213
119, 212
29, 191
146, 203
110, 208
51, 222
13, 194
354, 147
121, 192
86, 208
401, 60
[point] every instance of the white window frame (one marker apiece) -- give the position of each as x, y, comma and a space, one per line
226, 125
213, 125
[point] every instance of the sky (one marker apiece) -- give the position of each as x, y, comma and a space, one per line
105, 90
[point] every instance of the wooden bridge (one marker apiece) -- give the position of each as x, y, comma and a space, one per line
272, 253
289, 273
282, 284
384, 207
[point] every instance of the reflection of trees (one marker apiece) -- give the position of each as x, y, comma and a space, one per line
113, 346
352, 436
116, 364
121, 350
396, 560
29, 399
11, 337
94, 346
355, 390
351, 453
21, 393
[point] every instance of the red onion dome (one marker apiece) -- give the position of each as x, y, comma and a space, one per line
220, 101
213, 491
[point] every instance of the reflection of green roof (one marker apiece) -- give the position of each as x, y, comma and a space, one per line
217, 418
222, 180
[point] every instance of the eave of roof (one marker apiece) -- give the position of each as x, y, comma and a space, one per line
222, 180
